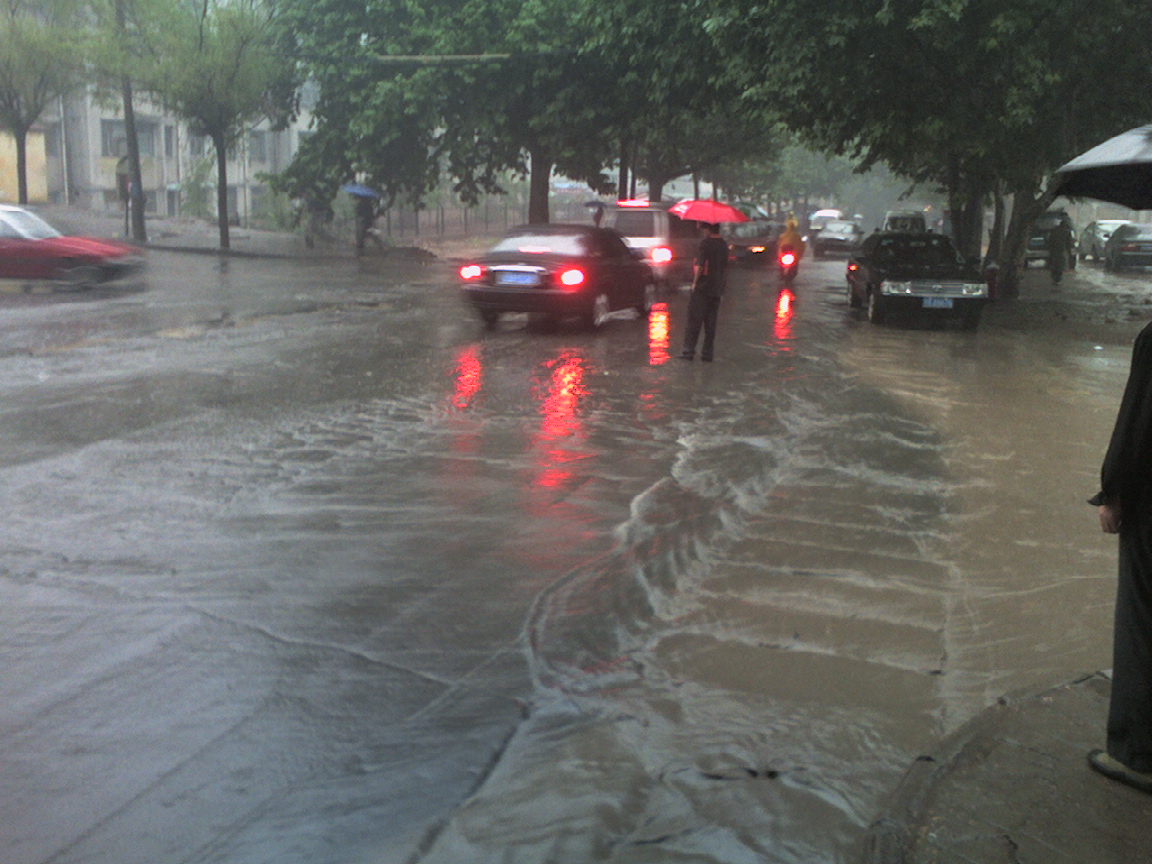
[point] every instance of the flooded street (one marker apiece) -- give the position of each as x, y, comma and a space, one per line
302, 564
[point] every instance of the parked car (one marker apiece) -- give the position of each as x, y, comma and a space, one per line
1095, 236
818, 219
897, 271
30, 248
904, 220
558, 271
1129, 246
1039, 238
837, 236
667, 242
754, 241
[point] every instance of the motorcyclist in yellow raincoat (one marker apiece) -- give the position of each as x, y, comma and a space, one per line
790, 236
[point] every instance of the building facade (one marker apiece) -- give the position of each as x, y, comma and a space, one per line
85, 160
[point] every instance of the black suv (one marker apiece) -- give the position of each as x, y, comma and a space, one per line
898, 271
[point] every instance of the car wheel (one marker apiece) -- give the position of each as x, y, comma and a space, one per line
76, 275
598, 311
876, 310
853, 299
489, 318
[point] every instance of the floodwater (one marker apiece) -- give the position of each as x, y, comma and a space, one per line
301, 564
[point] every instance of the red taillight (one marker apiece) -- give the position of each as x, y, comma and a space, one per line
471, 271
852, 268
661, 255
571, 278
787, 259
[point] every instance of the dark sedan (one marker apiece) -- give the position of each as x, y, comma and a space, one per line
915, 272
753, 241
837, 237
559, 271
1129, 246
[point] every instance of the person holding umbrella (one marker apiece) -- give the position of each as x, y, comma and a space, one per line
1120, 171
710, 278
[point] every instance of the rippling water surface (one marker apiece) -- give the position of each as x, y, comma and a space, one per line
394, 589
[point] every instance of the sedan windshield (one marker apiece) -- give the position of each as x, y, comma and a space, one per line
21, 223
544, 244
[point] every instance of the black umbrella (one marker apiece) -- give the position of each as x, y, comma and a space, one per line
1119, 170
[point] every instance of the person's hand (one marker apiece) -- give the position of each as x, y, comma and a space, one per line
1109, 518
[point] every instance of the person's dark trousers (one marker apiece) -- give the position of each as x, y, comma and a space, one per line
1130, 710
702, 312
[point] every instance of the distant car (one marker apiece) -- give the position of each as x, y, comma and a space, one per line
1129, 246
837, 236
818, 219
915, 272
558, 271
30, 248
667, 242
1038, 238
753, 241
904, 220
1095, 236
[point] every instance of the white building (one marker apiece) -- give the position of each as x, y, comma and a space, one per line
86, 150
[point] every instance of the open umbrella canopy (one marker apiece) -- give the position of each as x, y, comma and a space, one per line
1119, 170
705, 210
359, 190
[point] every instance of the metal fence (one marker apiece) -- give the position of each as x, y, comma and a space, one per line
492, 216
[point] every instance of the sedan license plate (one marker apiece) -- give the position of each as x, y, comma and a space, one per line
937, 303
516, 277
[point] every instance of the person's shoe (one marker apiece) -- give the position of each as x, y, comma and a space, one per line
1113, 769
686, 355
707, 358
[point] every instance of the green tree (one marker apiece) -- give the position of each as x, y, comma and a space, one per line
221, 65
42, 52
977, 96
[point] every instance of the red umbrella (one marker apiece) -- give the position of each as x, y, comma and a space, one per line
704, 210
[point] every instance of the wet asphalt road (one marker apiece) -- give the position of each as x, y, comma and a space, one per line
301, 564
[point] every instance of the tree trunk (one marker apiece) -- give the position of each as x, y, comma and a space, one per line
539, 183
625, 170
21, 165
1026, 207
136, 186
222, 189
996, 240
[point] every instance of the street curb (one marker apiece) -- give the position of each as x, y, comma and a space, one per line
890, 839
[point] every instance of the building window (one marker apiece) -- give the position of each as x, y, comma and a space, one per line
114, 138
169, 141
258, 146
198, 145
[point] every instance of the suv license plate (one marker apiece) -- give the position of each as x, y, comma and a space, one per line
937, 303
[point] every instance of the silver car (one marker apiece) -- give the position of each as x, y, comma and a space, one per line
1095, 238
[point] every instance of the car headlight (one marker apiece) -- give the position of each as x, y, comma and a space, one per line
974, 289
887, 287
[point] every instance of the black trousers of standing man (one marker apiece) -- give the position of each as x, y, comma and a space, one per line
1130, 712
703, 309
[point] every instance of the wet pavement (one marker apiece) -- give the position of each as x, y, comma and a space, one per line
774, 610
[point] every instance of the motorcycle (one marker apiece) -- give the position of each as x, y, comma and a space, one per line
788, 262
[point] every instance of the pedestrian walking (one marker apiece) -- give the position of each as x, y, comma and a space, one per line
1124, 506
710, 277
1059, 250
365, 220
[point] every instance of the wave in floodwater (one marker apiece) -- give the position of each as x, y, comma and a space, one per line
754, 664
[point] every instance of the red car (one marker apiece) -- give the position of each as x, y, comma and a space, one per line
30, 248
